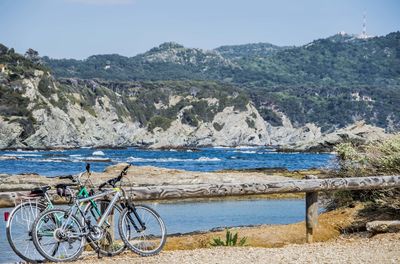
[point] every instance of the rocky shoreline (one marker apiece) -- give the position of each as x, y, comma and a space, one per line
66, 114
358, 134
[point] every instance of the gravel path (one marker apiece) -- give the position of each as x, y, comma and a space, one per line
384, 248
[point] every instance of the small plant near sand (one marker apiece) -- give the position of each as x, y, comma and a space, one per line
230, 240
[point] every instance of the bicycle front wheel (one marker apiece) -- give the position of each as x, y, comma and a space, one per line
142, 230
18, 230
58, 235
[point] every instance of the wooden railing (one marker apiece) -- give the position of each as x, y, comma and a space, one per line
311, 186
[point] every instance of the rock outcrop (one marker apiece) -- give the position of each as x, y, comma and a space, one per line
78, 113
228, 128
287, 134
358, 134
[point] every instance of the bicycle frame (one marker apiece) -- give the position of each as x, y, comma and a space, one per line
79, 203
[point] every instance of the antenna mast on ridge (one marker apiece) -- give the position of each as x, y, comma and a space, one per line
364, 28
364, 32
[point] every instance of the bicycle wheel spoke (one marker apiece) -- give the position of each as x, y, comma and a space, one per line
149, 237
56, 235
19, 227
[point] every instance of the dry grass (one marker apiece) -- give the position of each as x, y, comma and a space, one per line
329, 227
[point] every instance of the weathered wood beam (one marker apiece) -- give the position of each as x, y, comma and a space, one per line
220, 190
310, 185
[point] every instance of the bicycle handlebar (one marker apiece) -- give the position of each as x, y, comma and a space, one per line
69, 177
114, 181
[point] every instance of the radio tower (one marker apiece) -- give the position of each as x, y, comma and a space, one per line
364, 29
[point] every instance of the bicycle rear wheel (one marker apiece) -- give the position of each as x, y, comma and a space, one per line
110, 244
142, 230
54, 242
18, 230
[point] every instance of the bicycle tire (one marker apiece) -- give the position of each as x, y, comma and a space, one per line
34, 256
39, 246
106, 250
138, 246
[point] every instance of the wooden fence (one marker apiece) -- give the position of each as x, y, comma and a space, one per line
311, 186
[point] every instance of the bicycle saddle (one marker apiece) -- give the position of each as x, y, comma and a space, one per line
39, 191
65, 185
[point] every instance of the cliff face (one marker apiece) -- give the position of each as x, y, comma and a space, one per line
75, 113
38, 111
228, 128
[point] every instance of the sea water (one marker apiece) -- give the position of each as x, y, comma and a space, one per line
64, 162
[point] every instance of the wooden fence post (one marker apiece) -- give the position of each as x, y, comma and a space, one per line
311, 212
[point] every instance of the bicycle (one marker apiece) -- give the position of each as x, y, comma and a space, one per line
19, 221
140, 227
57, 229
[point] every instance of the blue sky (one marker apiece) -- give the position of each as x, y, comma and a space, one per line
80, 28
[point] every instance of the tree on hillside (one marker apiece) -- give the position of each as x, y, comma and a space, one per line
3, 49
33, 55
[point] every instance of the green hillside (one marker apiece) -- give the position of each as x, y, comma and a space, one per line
331, 82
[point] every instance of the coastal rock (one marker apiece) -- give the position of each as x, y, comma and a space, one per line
9, 134
140, 176
235, 128
358, 134
288, 134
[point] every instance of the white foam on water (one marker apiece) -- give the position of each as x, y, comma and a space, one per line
201, 159
23, 155
46, 160
247, 147
246, 151
27, 151
98, 153
208, 159
95, 159
60, 159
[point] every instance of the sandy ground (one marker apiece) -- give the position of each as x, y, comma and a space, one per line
383, 248
278, 244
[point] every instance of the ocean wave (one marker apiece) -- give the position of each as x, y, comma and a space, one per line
47, 160
98, 153
246, 151
23, 155
60, 159
247, 147
201, 159
75, 155
27, 151
95, 159
208, 159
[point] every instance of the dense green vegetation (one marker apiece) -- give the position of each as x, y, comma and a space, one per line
331, 82
144, 101
340, 60
248, 51
140, 100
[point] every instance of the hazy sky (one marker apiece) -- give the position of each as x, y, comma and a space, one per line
80, 28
